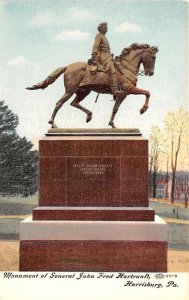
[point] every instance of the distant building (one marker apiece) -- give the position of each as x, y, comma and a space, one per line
163, 189
181, 188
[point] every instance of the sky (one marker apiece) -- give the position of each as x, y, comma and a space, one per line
37, 36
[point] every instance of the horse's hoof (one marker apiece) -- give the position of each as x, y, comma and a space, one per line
112, 124
53, 125
89, 118
30, 88
143, 110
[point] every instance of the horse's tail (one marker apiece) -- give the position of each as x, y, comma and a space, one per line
49, 80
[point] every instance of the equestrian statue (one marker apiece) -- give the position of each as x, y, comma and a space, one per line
104, 74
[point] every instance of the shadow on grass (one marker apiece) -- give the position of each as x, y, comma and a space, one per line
9, 228
177, 246
9, 237
16, 208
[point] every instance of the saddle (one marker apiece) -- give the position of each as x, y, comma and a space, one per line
94, 77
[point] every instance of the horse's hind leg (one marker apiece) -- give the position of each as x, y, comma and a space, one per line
59, 104
81, 94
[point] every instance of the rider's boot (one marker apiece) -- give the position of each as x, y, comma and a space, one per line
117, 95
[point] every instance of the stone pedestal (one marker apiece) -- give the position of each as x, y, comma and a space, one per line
93, 212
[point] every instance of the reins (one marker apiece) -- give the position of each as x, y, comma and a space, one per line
141, 73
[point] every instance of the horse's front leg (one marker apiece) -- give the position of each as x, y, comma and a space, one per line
137, 91
115, 109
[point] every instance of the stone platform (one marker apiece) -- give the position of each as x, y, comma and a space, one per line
93, 132
93, 212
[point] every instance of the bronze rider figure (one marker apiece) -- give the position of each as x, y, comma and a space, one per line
102, 57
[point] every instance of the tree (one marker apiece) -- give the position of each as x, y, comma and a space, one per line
18, 162
177, 139
155, 149
186, 195
184, 187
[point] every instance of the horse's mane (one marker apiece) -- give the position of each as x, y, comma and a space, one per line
136, 46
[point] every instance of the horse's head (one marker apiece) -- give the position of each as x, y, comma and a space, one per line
148, 60
136, 54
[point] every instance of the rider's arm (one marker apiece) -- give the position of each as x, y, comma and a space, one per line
96, 45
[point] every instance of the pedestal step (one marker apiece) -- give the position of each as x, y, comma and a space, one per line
94, 213
93, 246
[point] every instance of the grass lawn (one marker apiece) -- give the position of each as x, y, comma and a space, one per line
169, 210
17, 205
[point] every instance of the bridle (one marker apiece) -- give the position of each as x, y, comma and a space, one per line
140, 72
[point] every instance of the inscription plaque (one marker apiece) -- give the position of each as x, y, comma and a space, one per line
93, 169
102, 168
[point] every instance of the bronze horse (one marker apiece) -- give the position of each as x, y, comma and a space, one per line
130, 60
